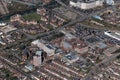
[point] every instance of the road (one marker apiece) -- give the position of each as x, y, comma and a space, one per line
3, 8
23, 2
82, 18
67, 25
70, 23
98, 66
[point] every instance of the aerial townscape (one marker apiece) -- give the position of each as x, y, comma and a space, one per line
59, 39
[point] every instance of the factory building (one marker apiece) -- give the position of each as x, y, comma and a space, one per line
48, 48
115, 35
86, 4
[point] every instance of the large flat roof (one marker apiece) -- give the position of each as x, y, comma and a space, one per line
8, 28
114, 35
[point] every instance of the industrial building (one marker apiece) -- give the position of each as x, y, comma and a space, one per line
115, 35
48, 48
86, 4
7, 28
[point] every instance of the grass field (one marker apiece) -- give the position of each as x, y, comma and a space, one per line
32, 16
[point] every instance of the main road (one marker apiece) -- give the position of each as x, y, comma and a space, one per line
71, 23
82, 18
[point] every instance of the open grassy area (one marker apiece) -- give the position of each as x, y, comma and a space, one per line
32, 16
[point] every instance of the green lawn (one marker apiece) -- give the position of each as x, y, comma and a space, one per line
32, 16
